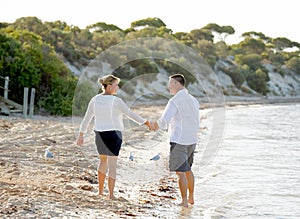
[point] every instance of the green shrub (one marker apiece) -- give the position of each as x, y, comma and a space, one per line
59, 100
294, 64
258, 81
82, 96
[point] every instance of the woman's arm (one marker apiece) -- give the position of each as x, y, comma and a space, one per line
130, 114
89, 114
80, 139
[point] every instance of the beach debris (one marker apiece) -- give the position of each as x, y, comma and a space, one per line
163, 196
86, 187
48, 153
165, 188
90, 178
127, 212
156, 157
130, 157
144, 201
69, 187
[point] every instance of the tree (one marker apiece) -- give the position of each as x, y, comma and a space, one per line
181, 36
258, 81
17, 63
32, 24
105, 40
60, 25
3, 25
221, 31
282, 43
251, 45
226, 31
213, 27
58, 101
200, 34
103, 27
150, 32
29, 62
207, 50
221, 49
275, 57
148, 22
256, 35
236, 75
294, 64
251, 60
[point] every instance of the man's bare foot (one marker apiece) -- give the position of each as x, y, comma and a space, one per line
112, 197
100, 193
191, 200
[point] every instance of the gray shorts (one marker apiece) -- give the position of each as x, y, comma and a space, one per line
181, 157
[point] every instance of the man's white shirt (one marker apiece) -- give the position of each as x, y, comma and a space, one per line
182, 118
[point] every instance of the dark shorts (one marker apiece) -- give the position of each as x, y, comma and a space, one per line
108, 142
181, 157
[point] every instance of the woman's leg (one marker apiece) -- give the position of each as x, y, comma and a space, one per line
112, 172
102, 168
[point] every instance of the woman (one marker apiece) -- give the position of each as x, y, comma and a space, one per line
108, 111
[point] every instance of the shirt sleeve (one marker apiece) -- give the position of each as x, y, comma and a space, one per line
129, 113
89, 114
197, 104
167, 115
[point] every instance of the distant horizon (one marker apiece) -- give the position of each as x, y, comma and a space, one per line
277, 19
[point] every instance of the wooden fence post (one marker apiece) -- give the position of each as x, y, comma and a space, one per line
31, 105
25, 102
6, 87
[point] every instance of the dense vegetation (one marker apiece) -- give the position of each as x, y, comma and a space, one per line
33, 53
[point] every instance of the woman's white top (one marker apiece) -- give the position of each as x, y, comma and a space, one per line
108, 111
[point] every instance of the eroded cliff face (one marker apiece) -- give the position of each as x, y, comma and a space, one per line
287, 85
279, 85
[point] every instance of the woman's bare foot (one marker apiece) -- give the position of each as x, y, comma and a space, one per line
191, 200
100, 193
183, 204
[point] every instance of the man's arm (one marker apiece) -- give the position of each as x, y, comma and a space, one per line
169, 112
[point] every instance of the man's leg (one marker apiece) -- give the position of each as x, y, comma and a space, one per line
102, 168
190, 184
183, 185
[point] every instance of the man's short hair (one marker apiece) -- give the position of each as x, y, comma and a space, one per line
179, 77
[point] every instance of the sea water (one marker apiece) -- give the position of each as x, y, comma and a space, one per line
256, 170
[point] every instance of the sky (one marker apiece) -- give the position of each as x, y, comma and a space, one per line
278, 18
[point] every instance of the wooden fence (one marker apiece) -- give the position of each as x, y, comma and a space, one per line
8, 106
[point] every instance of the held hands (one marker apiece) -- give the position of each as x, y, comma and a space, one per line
153, 126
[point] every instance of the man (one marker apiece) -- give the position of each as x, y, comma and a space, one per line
181, 117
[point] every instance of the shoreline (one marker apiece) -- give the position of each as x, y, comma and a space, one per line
231, 101
262, 100
248, 101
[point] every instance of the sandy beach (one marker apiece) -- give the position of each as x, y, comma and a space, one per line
65, 186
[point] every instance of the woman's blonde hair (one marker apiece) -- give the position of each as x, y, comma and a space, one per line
108, 80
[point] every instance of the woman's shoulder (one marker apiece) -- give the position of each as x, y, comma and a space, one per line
118, 99
108, 97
